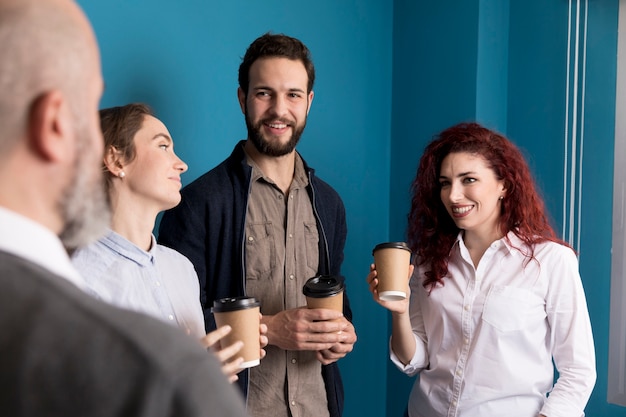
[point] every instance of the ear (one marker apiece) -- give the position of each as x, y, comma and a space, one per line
241, 96
49, 127
310, 102
113, 161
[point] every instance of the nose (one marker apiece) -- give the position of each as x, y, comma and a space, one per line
279, 105
180, 165
456, 192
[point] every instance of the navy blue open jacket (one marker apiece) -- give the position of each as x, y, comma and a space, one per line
208, 227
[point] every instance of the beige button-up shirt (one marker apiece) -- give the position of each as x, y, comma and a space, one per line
281, 254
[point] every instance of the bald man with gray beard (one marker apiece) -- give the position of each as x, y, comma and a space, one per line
63, 353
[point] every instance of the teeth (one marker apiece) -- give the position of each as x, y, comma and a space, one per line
461, 210
278, 125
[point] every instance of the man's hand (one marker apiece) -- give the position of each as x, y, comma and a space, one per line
341, 349
310, 329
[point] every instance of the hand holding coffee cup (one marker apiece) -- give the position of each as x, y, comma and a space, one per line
393, 261
228, 355
242, 314
326, 291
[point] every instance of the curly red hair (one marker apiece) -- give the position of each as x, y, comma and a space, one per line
431, 230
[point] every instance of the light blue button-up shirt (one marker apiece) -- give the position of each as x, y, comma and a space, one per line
160, 282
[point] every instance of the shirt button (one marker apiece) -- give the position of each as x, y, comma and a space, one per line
293, 403
280, 196
467, 307
290, 235
291, 277
459, 372
291, 196
170, 317
158, 284
293, 360
250, 238
466, 340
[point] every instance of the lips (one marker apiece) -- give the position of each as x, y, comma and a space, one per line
461, 211
277, 124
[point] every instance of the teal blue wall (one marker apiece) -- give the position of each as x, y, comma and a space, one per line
390, 75
511, 59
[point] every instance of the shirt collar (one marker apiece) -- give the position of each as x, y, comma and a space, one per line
129, 250
510, 242
300, 178
36, 243
514, 244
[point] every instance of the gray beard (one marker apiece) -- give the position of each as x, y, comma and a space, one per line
84, 206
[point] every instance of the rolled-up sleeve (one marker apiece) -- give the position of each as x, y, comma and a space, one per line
420, 359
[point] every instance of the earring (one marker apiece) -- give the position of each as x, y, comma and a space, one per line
122, 174
501, 197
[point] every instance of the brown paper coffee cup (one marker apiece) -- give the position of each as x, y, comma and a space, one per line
392, 261
324, 291
242, 315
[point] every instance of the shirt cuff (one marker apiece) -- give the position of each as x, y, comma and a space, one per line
418, 362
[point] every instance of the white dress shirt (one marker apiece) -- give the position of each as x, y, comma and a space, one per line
486, 339
160, 282
32, 241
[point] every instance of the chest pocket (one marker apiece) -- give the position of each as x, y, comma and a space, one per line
511, 308
260, 250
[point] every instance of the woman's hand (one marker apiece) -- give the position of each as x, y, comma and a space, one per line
227, 355
402, 339
400, 306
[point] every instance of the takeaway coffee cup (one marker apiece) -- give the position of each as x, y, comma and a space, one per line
325, 291
392, 261
242, 315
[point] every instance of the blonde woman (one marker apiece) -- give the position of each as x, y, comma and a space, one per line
127, 267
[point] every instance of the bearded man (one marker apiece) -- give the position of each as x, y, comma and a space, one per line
260, 224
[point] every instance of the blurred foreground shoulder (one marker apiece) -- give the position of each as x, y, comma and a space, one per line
63, 353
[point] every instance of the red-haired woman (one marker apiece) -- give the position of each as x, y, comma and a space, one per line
496, 297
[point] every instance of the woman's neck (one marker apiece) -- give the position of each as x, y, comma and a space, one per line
478, 243
133, 221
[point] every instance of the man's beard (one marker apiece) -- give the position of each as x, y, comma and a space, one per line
255, 134
84, 207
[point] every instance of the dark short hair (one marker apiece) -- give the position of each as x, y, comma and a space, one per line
278, 46
119, 126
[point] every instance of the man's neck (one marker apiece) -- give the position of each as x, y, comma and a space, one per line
279, 169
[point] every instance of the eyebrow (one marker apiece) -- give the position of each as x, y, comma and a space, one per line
162, 135
462, 174
291, 90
